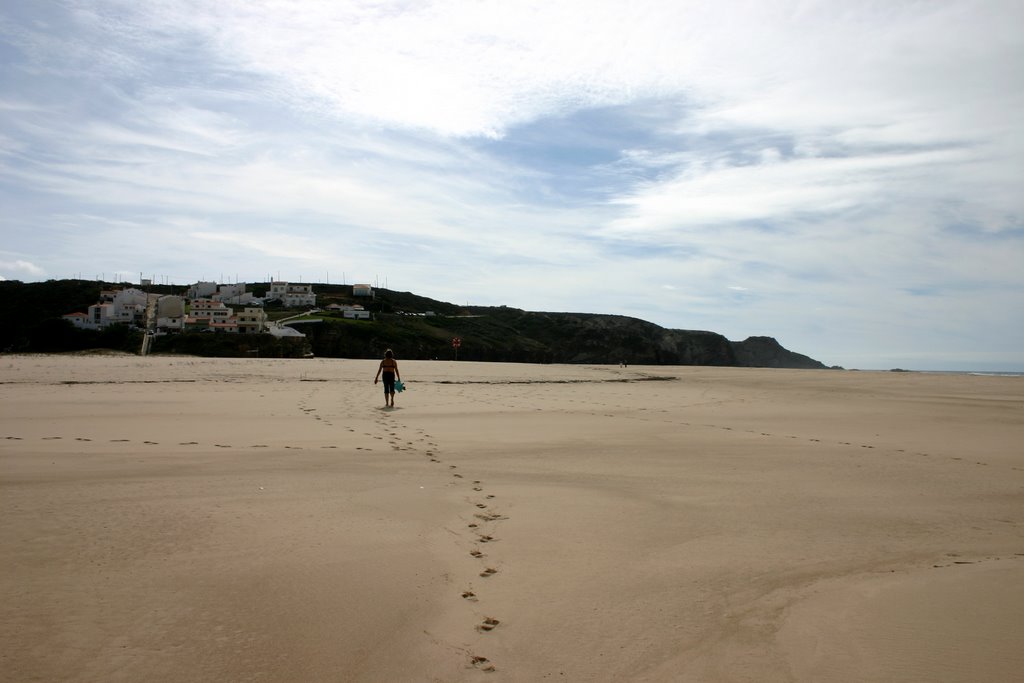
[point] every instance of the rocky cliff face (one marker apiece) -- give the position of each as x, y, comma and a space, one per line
595, 338
765, 352
609, 339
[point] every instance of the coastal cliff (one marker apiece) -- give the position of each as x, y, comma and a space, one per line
416, 327
502, 334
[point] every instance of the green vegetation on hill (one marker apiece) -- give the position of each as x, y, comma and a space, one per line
414, 326
30, 318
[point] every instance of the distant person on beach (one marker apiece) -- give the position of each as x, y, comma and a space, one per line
388, 366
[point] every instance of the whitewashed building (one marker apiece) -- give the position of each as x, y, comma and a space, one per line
80, 320
208, 310
356, 313
123, 307
233, 294
291, 294
170, 313
202, 290
252, 320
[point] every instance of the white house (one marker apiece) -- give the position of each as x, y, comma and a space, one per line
233, 294
230, 325
356, 313
126, 307
362, 290
130, 297
80, 320
170, 313
101, 315
251, 321
202, 290
291, 294
209, 310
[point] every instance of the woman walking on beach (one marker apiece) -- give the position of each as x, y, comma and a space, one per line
389, 366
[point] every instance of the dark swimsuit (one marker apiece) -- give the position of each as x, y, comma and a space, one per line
388, 377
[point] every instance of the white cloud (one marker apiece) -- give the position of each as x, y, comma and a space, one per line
20, 267
842, 162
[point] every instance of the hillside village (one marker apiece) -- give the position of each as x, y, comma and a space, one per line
209, 307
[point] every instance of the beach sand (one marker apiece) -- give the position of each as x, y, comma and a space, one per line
187, 519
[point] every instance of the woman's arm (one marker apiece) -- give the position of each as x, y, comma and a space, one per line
379, 368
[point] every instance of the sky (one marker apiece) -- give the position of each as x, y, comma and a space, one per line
847, 177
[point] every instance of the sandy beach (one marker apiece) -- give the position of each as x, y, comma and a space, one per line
188, 519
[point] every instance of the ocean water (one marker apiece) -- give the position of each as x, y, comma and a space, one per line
979, 373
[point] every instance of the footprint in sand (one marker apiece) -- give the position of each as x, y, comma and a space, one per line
51, 438
483, 664
469, 595
489, 518
486, 539
476, 553
487, 625
490, 571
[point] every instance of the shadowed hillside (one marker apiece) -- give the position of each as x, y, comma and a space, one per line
415, 326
